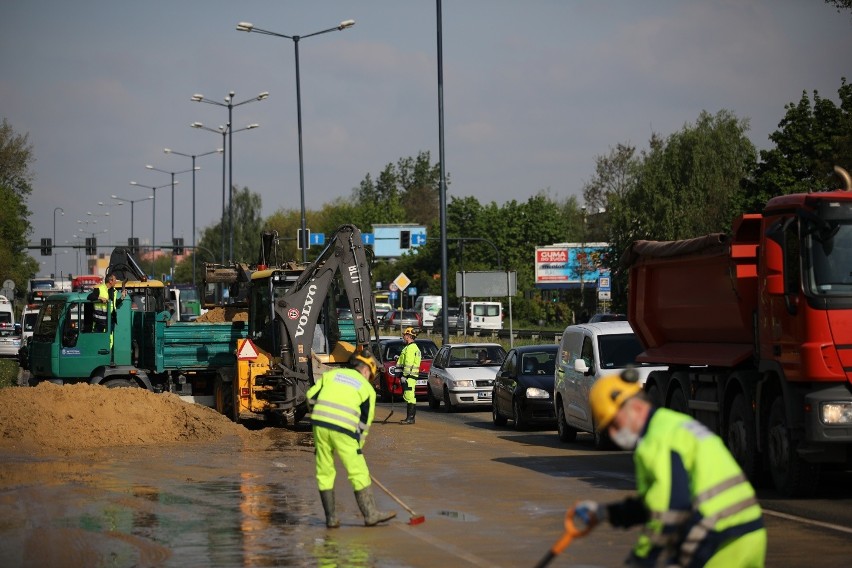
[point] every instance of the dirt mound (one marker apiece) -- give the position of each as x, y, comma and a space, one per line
218, 315
50, 418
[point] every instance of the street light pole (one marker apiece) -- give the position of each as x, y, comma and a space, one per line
249, 27
193, 156
132, 202
224, 131
61, 210
230, 105
173, 174
153, 218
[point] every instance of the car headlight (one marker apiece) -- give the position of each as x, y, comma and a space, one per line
463, 383
535, 392
836, 412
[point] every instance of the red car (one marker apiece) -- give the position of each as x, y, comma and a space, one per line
388, 351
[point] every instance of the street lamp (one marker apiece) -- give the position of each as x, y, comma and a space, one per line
193, 156
249, 27
173, 174
132, 202
230, 104
223, 130
153, 217
100, 215
61, 210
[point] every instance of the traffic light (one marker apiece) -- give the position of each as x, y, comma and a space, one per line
303, 240
46, 247
91, 246
405, 239
133, 245
177, 243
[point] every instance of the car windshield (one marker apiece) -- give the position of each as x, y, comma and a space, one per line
477, 356
538, 363
392, 349
618, 351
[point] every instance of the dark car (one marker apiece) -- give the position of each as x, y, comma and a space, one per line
401, 319
454, 322
523, 388
388, 350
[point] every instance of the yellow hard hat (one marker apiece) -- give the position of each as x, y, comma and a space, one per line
365, 357
410, 331
606, 397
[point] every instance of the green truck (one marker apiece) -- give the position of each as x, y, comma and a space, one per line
144, 347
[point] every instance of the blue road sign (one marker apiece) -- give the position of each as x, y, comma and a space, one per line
317, 239
392, 295
418, 239
368, 238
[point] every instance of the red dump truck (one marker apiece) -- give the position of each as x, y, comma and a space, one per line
756, 331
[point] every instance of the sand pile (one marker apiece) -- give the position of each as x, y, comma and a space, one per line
50, 418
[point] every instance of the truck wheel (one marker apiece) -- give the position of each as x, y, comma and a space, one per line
223, 397
434, 403
653, 393
119, 383
741, 437
496, 417
566, 433
678, 401
791, 475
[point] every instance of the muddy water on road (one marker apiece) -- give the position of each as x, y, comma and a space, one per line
211, 504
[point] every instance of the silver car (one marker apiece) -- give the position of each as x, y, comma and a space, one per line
462, 374
10, 342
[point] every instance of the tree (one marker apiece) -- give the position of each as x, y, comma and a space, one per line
812, 139
615, 176
16, 177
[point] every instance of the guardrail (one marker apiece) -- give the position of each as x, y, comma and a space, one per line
545, 336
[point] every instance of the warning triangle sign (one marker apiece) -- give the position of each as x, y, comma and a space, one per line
246, 351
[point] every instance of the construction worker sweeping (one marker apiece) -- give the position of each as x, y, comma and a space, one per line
408, 364
697, 505
343, 405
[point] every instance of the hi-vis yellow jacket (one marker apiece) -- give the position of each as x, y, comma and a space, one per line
343, 401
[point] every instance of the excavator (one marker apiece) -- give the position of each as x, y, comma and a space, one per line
292, 326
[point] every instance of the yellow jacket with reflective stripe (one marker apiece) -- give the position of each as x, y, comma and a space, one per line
409, 360
344, 401
695, 491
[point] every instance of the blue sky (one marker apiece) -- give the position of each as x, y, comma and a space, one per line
533, 92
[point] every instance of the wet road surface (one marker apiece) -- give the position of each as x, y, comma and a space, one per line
491, 497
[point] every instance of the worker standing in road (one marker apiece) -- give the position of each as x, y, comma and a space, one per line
106, 301
343, 405
408, 364
697, 505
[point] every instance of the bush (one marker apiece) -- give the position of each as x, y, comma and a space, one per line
8, 372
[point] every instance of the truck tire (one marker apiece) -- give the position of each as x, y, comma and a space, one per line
566, 433
119, 383
677, 402
224, 398
741, 437
791, 475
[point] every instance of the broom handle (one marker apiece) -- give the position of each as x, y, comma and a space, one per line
392, 496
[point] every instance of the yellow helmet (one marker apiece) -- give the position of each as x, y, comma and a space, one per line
606, 397
410, 331
365, 357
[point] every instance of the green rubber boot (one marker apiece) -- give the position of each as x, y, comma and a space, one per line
367, 504
327, 498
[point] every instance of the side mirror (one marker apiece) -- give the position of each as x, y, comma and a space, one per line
580, 366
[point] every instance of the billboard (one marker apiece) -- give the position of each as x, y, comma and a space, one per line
564, 265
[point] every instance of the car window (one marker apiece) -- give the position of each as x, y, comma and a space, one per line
618, 351
510, 364
428, 349
587, 353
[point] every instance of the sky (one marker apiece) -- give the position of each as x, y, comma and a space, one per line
533, 92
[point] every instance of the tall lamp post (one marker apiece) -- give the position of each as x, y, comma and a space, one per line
61, 210
173, 174
132, 202
224, 131
230, 105
153, 217
193, 156
249, 27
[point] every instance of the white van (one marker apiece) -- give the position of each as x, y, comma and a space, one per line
29, 317
485, 315
586, 353
428, 307
7, 315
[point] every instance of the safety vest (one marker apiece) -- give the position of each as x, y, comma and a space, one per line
100, 306
409, 360
344, 401
696, 493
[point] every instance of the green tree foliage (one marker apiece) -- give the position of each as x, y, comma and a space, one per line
16, 177
812, 138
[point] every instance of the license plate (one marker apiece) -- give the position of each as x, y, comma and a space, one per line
421, 383
483, 394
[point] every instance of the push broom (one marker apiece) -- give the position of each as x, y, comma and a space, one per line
415, 519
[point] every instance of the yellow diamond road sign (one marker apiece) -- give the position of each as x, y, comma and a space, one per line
402, 281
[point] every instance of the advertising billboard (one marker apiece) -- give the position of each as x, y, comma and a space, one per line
565, 265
